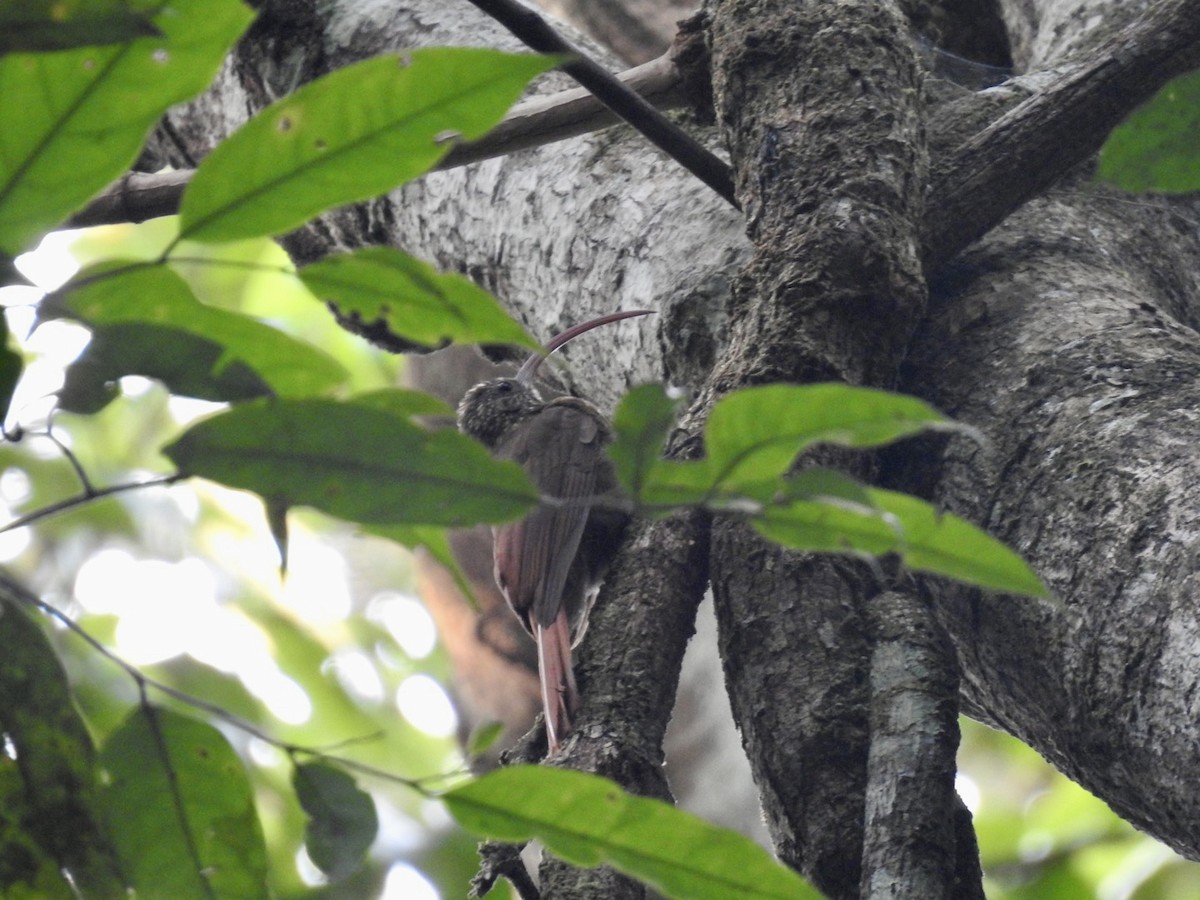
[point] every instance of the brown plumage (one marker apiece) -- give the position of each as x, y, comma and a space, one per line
549, 564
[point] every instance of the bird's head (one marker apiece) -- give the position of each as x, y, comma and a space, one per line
490, 409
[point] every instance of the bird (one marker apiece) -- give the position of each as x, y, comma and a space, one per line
549, 564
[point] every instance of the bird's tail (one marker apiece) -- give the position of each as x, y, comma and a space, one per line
560, 697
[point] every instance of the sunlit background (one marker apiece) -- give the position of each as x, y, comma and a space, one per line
184, 582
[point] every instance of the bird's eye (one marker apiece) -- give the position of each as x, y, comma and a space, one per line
504, 387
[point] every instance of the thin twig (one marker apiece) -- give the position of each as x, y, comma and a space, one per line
86, 497
144, 682
84, 481
538, 35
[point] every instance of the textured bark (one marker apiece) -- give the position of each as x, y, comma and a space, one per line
1070, 325
1023, 153
1067, 337
635, 30
913, 845
831, 169
649, 603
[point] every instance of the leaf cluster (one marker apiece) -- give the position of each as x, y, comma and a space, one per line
752, 441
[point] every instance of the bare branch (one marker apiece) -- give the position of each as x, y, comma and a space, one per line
137, 197
1037, 142
910, 836
653, 125
555, 117
86, 497
134, 197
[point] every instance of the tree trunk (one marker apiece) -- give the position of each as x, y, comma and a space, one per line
1066, 336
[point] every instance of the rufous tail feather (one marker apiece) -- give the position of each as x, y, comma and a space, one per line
560, 697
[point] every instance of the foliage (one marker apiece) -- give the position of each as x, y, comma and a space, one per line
145, 321
48, 776
393, 472
179, 809
65, 24
1158, 147
342, 821
165, 803
1042, 835
752, 440
414, 301
348, 136
81, 115
588, 820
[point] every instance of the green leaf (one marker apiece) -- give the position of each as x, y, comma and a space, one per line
27, 869
180, 810
32, 26
11, 366
756, 433
588, 820
752, 438
382, 287
353, 460
48, 794
641, 424
27, 872
824, 485
277, 523
483, 738
670, 484
403, 402
145, 321
75, 120
944, 544
356, 133
889, 522
828, 527
342, 822
1158, 147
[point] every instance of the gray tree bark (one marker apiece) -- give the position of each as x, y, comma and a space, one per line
1067, 336
635, 30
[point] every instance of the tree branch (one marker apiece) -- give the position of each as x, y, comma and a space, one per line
664, 134
831, 168
646, 612
137, 196
634, 30
498, 860
972, 190
556, 117
1036, 143
87, 496
909, 840
534, 264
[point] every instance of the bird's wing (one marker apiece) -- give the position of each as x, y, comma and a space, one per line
560, 450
